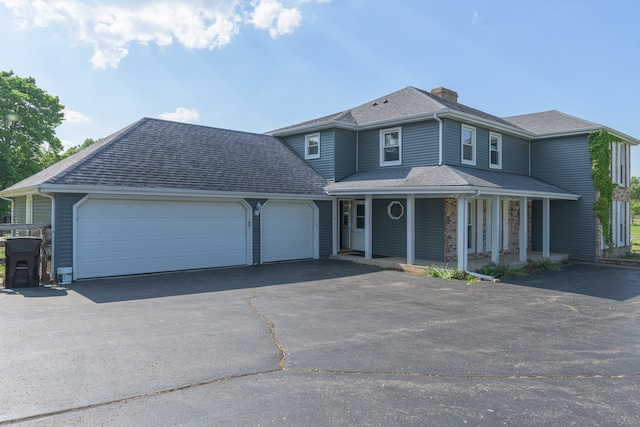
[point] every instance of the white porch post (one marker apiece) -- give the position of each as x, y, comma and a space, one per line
335, 207
368, 244
461, 247
411, 246
495, 229
479, 226
546, 226
523, 232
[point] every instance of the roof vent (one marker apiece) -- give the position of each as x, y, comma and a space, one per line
445, 93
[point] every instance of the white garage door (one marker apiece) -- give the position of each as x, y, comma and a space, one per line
120, 237
287, 231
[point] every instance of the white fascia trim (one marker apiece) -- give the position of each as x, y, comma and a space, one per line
624, 137
168, 192
19, 192
466, 190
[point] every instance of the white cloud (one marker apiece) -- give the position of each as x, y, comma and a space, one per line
476, 18
71, 116
110, 26
182, 115
273, 16
66, 144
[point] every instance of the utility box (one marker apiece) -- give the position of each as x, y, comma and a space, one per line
22, 265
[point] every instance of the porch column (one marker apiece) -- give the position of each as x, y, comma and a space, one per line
411, 245
495, 229
461, 245
335, 208
479, 226
523, 232
368, 243
546, 227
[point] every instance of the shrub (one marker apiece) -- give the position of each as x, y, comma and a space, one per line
448, 273
500, 271
541, 265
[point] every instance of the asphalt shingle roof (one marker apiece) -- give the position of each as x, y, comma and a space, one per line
159, 154
404, 103
553, 121
443, 176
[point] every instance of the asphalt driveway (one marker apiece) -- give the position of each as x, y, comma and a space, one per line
322, 343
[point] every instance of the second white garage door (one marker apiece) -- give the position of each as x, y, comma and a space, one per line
115, 237
288, 231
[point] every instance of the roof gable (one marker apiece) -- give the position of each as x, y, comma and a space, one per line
159, 154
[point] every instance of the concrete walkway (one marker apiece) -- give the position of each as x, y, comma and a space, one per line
396, 263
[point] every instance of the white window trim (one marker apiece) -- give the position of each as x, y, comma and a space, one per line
473, 145
622, 151
499, 137
307, 138
621, 223
382, 134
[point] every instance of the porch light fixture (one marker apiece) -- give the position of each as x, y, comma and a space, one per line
258, 209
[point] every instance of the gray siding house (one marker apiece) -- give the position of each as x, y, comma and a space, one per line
413, 174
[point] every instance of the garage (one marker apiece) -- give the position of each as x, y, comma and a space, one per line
289, 231
114, 237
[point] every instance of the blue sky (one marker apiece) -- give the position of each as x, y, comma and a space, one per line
257, 65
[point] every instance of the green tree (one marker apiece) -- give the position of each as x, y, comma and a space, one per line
73, 150
635, 188
28, 118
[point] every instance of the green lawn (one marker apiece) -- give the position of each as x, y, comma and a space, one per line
635, 236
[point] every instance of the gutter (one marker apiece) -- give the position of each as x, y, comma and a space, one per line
53, 225
117, 191
440, 138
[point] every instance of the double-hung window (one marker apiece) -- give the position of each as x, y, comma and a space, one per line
468, 145
312, 146
391, 147
495, 150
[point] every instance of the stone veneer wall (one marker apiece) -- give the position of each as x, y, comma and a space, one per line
620, 194
451, 227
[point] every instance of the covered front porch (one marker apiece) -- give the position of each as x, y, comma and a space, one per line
398, 263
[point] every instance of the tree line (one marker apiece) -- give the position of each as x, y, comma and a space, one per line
28, 142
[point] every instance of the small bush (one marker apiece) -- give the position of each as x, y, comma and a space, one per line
448, 273
500, 271
630, 255
541, 265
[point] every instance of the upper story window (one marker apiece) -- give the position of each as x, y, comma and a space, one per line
312, 146
468, 145
619, 164
391, 147
495, 150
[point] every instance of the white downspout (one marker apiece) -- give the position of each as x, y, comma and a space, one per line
440, 142
53, 226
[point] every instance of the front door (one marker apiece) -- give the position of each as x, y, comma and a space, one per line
345, 225
358, 226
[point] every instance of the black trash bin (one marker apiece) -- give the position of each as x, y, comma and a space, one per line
22, 262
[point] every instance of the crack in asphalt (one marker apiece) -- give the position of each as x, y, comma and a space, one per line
133, 398
272, 330
463, 376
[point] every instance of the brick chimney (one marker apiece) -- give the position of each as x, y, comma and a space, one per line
445, 93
